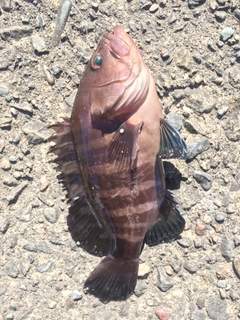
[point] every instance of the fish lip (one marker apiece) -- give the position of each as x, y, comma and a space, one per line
115, 41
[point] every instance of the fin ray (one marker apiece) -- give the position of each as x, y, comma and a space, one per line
171, 143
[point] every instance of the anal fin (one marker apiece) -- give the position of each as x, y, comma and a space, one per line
171, 143
169, 223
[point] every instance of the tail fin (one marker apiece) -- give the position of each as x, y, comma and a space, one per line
113, 279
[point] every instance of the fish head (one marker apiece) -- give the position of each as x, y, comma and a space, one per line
118, 77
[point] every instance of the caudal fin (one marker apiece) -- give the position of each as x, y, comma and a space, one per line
113, 279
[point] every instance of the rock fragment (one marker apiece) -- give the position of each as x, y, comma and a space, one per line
197, 147
12, 269
50, 214
3, 90
15, 192
204, 179
195, 3
36, 132
46, 266
15, 32
63, 13
236, 266
38, 44
217, 308
226, 247
4, 224
226, 33
164, 281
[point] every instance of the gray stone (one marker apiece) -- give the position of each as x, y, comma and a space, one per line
164, 281
231, 126
217, 308
12, 269
30, 246
222, 284
220, 15
24, 267
198, 314
226, 33
175, 120
140, 288
226, 247
40, 21
222, 111
36, 132
6, 5
76, 295
234, 77
154, 7
195, 3
236, 266
234, 295
4, 224
197, 147
46, 266
189, 266
3, 90
3, 289
44, 247
237, 13
5, 121
200, 100
38, 44
220, 218
24, 107
204, 179
63, 12
15, 192
184, 242
16, 32
176, 264
50, 214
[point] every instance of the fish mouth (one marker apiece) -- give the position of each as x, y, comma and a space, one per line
115, 41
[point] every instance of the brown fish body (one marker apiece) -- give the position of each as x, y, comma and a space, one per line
116, 138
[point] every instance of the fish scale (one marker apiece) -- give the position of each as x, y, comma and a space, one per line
110, 154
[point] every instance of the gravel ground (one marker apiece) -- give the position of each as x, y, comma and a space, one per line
193, 51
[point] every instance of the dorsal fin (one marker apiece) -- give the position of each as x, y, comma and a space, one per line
82, 223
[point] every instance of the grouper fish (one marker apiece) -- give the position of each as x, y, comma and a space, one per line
110, 154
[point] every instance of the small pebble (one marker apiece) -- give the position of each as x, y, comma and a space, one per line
49, 76
200, 302
52, 304
161, 314
220, 218
237, 14
220, 16
154, 7
143, 270
200, 228
226, 33
236, 266
204, 179
50, 214
76, 295
190, 267
222, 111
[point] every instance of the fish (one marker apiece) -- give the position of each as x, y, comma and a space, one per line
110, 153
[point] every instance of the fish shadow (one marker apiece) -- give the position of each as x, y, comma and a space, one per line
173, 176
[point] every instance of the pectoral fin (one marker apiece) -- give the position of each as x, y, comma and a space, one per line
124, 146
171, 143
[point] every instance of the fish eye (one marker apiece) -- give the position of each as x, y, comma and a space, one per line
97, 61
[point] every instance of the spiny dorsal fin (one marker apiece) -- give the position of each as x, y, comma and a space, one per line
82, 223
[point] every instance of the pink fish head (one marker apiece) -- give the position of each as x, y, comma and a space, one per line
118, 76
